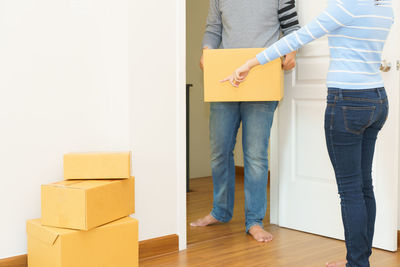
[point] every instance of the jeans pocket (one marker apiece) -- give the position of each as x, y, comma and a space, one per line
357, 119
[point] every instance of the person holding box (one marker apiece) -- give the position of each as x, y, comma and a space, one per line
357, 106
240, 24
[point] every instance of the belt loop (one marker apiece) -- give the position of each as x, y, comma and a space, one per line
379, 93
340, 94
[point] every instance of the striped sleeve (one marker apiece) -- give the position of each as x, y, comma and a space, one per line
287, 15
213, 33
334, 16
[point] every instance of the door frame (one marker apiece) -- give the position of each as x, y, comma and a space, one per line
181, 121
274, 171
181, 138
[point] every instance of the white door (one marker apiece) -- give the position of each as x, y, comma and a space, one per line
308, 198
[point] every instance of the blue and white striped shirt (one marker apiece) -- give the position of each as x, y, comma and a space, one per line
357, 31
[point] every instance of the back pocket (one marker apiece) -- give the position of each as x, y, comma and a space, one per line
357, 119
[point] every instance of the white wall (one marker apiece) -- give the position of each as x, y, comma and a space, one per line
158, 115
65, 86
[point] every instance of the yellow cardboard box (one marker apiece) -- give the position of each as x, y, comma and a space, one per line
264, 83
111, 245
86, 204
97, 165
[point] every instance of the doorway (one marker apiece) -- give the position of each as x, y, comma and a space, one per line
305, 80
199, 180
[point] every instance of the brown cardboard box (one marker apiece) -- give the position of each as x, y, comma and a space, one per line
97, 165
111, 245
86, 204
264, 83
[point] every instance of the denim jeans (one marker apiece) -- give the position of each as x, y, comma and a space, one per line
353, 119
225, 118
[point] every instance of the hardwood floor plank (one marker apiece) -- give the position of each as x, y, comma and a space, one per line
17, 261
158, 246
228, 244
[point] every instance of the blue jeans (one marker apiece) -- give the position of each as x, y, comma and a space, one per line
353, 119
225, 118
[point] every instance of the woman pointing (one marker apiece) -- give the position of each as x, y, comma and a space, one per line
357, 106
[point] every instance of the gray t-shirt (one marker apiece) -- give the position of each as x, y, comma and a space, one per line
248, 24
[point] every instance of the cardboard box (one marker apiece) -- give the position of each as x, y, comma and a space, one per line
264, 83
111, 245
84, 204
97, 165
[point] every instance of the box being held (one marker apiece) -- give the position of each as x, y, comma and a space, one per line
111, 245
264, 83
105, 165
86, 204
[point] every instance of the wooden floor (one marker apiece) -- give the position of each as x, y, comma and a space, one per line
228, 245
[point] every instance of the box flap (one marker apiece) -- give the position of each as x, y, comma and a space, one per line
97, 153
81, 184
44, 234
125, 220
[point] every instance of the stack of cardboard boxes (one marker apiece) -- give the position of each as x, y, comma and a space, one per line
85, 218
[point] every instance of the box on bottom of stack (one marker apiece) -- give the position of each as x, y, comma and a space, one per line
113, 244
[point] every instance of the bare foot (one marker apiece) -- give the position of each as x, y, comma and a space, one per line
207, 220
336, 264
260, 234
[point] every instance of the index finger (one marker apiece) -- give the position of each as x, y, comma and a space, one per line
225, 80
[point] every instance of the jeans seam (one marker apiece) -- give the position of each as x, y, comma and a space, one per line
333, 90
349, 243
386, 117
333, 111
233, 139
333, 151
363, 99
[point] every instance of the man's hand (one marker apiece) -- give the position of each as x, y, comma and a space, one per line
202, 59
289, 61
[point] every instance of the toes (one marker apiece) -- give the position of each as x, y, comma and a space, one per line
197, 223
258, 238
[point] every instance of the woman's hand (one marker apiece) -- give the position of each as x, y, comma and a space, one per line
238, 76
289, 62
